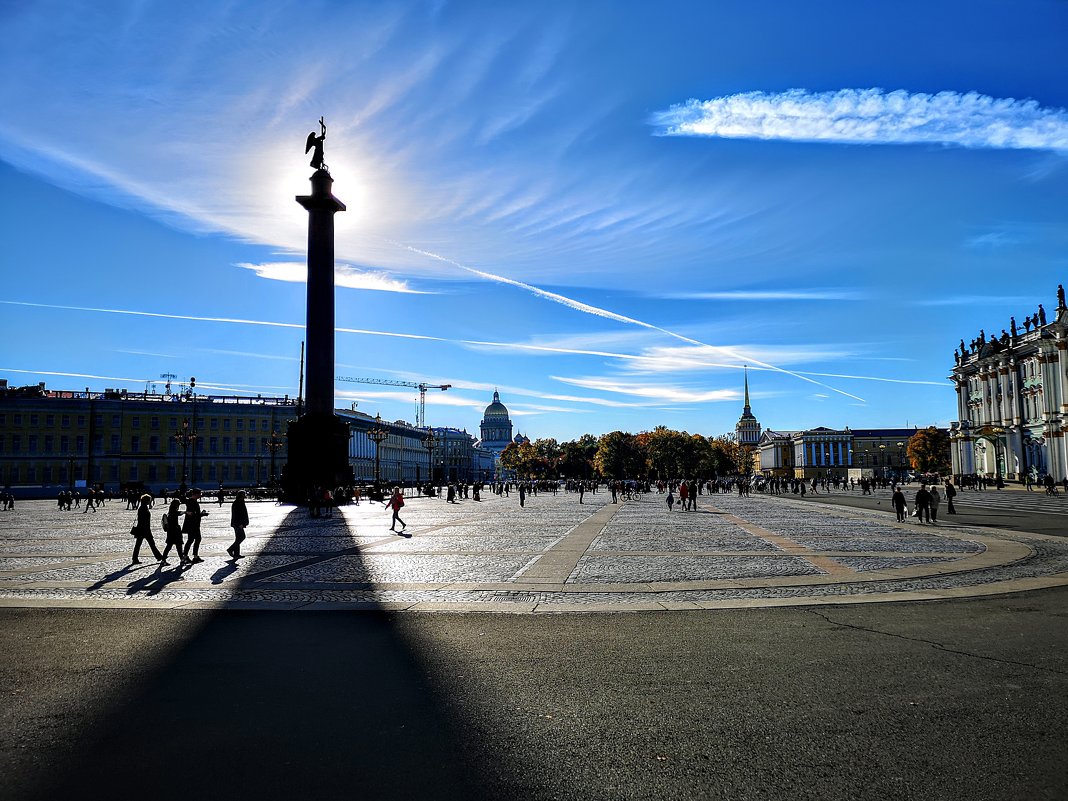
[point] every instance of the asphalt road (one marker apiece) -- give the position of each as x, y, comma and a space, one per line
881, 701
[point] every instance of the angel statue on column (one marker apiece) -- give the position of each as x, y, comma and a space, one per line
316, 142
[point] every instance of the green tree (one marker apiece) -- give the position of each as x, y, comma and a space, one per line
576, 457
524, 460
549, 451
727, 456
619, 455
929, 451
671, 454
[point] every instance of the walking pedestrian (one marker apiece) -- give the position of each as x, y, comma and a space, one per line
936, 499
238, 521
951, 493
670, 499
191, 525
522, 495
396, 503
923, 504
900, 504
173, 528
142, 531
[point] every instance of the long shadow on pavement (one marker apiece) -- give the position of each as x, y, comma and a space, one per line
275, 704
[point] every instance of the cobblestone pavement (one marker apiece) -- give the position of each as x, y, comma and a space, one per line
551, 555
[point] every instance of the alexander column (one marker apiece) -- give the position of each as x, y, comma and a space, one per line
318, 441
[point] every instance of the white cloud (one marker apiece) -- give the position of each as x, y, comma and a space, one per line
786, 294
681, 358
974, 300
872, 116
350, 277
660, 392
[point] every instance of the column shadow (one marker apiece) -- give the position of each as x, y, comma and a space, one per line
272, 703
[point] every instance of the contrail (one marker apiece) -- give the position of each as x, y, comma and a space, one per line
466, 342
577, 305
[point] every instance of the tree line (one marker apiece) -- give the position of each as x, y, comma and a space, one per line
658, 454
667, 454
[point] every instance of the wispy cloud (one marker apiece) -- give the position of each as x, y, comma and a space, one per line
994, 239
771, 294
661, 392
974, 300
248, 355
872, 116
349, 277
597, 311
650, 359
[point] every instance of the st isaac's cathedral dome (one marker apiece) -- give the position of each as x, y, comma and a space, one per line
496, 426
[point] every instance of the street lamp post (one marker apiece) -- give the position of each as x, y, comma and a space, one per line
429, 442
273, 444
377, 435
882, 460
184, 437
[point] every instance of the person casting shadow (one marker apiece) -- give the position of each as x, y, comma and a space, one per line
142, 531
173, 528
191, 526
238, 522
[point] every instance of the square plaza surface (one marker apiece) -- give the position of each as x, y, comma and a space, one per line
552, 549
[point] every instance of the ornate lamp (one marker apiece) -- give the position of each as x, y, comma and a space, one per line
430, 443
184, 437
377, 435
273, 444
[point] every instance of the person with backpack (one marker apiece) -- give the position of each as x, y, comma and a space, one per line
173, 528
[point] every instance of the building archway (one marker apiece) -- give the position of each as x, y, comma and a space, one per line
989, 456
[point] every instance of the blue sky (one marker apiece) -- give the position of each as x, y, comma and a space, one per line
602, 209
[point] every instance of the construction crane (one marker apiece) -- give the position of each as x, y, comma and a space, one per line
421, 386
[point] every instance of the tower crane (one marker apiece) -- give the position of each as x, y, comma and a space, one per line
422, 386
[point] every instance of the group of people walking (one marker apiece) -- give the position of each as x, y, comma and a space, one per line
927, 501
181, 528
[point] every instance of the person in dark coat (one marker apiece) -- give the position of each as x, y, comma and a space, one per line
173, 526
191, 526
900, 504
951, 493
923, 504
143, 531
238, 521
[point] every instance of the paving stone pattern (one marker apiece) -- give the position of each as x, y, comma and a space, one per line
730, 549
